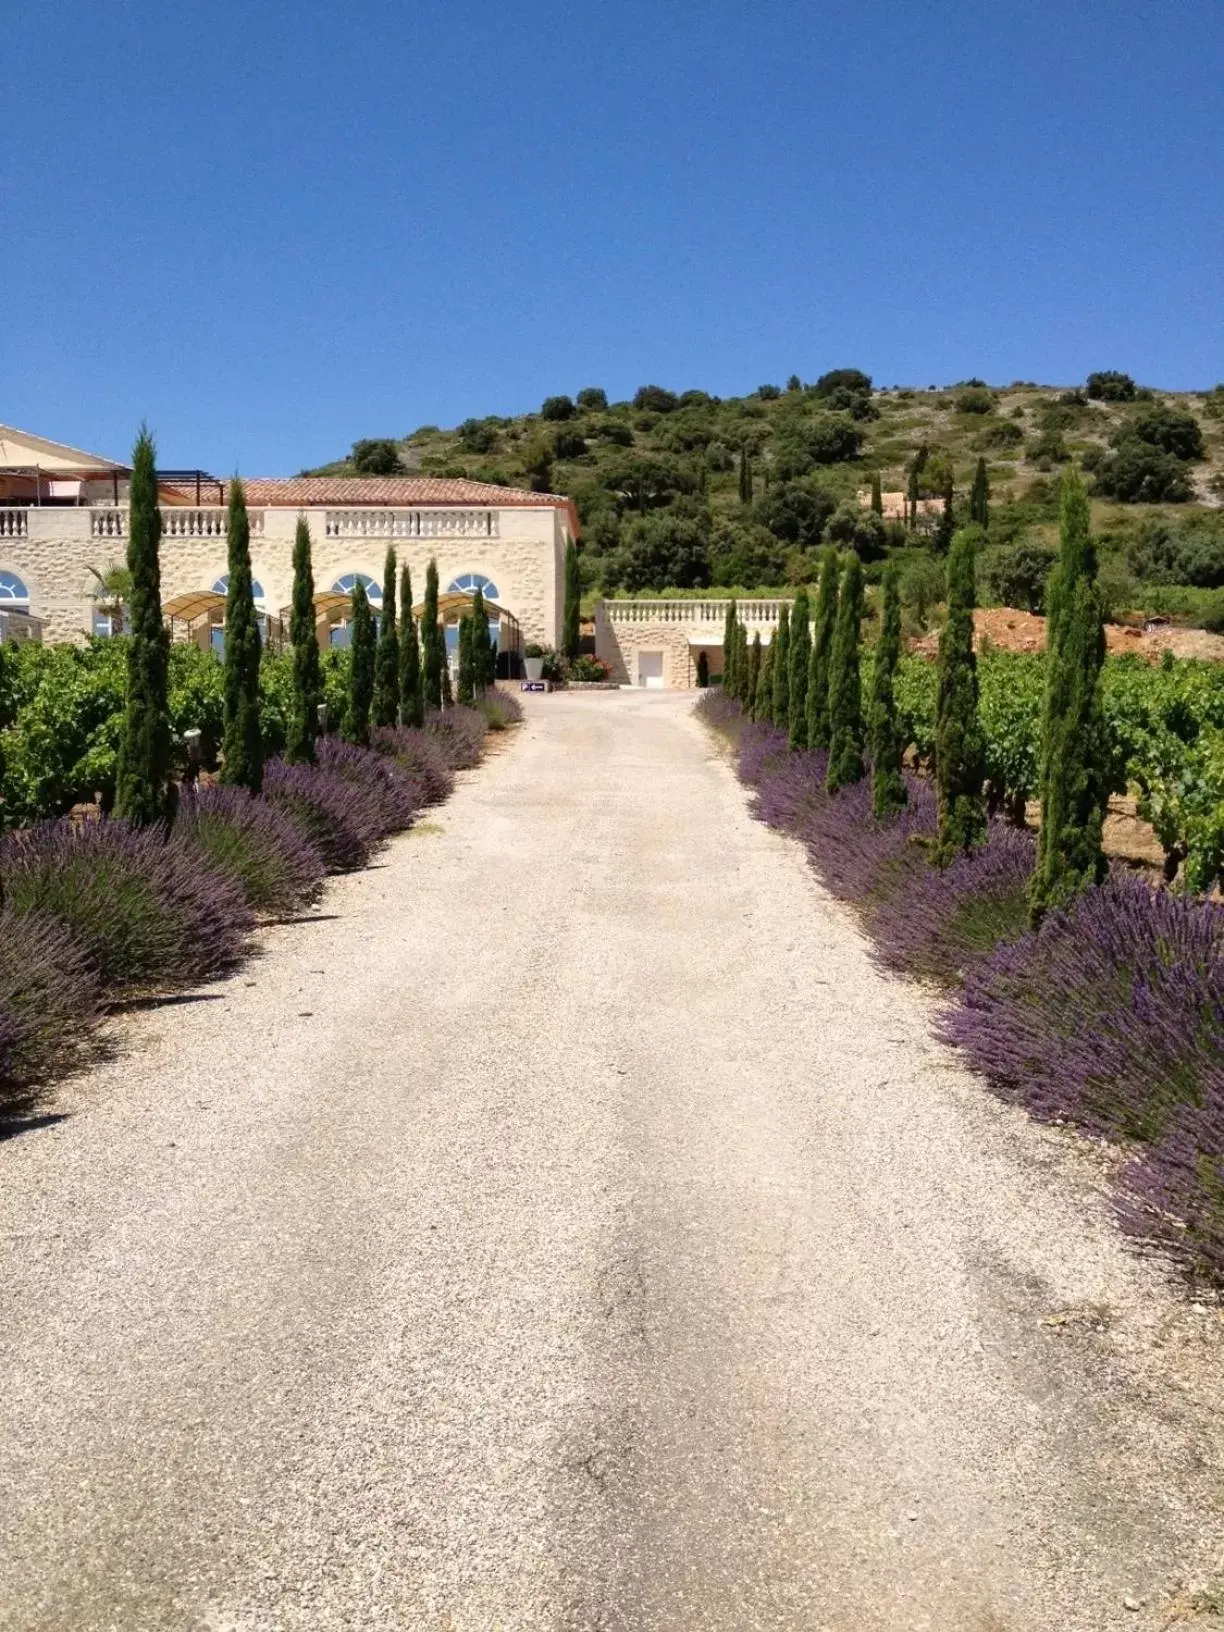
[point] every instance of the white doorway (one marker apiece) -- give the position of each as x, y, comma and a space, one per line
650, 670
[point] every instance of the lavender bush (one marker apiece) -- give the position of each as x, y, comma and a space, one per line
419, 756
145, 911
501, 710
340, 820
48, 1002
389, 789
254, 842
460, 733
1173, 1194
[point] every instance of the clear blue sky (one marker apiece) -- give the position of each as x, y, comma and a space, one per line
273, 229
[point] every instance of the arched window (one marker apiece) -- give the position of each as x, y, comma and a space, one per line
346, 585
221, 587
14, 596
468, 583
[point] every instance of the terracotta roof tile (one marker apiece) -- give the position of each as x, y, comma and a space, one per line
393, 490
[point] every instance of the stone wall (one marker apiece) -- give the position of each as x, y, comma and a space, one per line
52, 551
620, 643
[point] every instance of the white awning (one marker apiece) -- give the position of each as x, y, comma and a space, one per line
61, 488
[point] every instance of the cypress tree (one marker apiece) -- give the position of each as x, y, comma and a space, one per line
741, 663
484, 656
307, 671
467, 664
888, 790
780, 707
243, 741
754, 673
729, 622
356, 726
448, 696
877, 494
946, 530
762, 703
822, 651
845, 683
386, 664
1074, 771
745, 477
412, 702
703, 671
979, 498
433, 643
573, 600
799, 657
960, 743
143, 773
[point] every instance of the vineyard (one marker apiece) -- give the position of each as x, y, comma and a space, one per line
1166, 725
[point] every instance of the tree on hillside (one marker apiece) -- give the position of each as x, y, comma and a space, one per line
1073, 774
376, 456
845, 683
356, 725
979, 498
573, 602
386, 671
914, 484
557, 408
307, 670
143, 773
433, 646
593, 399
960, 743
877, 494
243, 741
412, 701
822, 651
1108, 385
745, 476
781, 670
884, 737
799, 657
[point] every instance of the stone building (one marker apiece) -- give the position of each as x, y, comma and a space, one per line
63, 524
658, 643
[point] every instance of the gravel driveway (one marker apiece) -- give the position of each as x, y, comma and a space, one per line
570, 1229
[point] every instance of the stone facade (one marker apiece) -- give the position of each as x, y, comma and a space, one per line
519, 547
680, 630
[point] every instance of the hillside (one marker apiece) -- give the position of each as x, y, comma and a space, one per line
663, 492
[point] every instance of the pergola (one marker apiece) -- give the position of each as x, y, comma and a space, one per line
456, 605
200, 611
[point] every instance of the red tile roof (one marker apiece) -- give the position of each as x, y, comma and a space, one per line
289, 491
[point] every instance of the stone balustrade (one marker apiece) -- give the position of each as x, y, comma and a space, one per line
14, 523
763, 612
390, 524
111, 522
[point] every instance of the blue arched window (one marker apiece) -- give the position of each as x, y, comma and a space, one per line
222, 586
13, 593
468, 583
346, 585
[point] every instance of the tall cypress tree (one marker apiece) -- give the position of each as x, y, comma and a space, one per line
573, 601
946, 529
754, 673
412, 701
845, 683
741, 663
960, 743
467, 665
762, 703
448, 696
745, 477
433, 643
386, 663
307, 671
979, 498
1074, 771
356, 726
780, 710
484, 654
799, 658
143, 773
877, 494
822, 651
729, 621
888, 790
243, 741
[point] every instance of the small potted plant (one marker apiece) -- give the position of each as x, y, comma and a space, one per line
533, 660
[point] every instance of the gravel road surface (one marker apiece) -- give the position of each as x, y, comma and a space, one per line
568, 1228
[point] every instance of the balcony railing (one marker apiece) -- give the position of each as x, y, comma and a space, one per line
14, 523
410, 524
110, 522
763, 612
